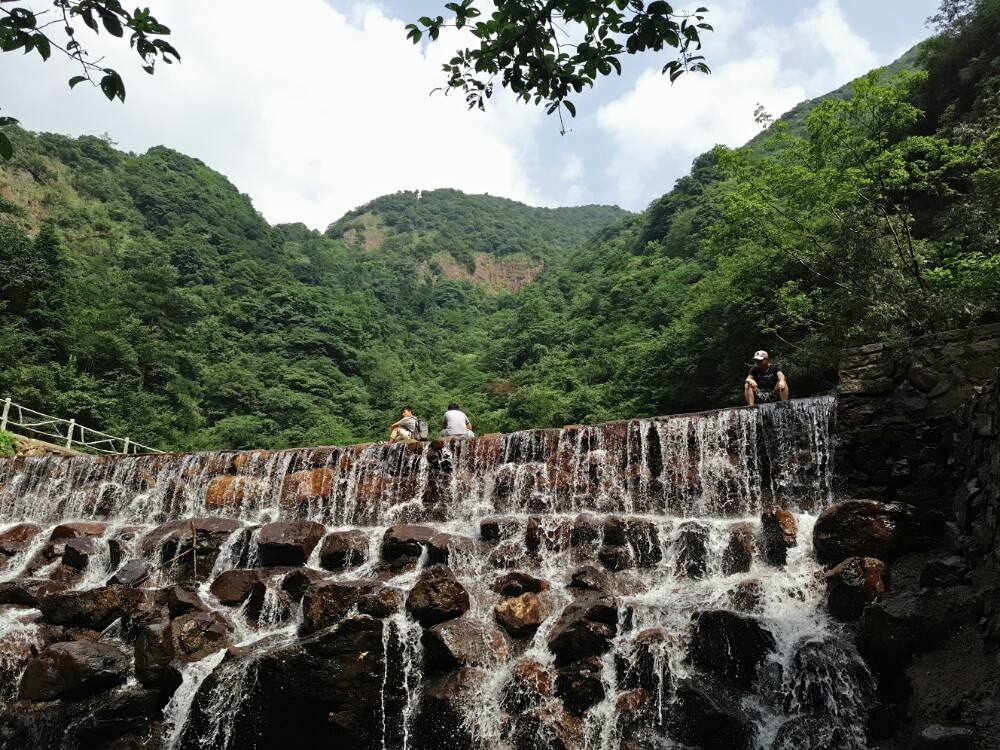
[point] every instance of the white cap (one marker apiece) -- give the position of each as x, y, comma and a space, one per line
759, 355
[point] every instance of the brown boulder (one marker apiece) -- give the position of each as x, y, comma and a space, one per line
520, 615
437, 596
230, 491
405, 540
746, 596
738, 555
92, 608
191, 545
516, 583
307, 486
298, 581
729, 645
547, 727
589, 578
646, 663
579, 685
869, 528
17, 538
27, 592
585, 628
497, 528
462, 643
585, 530
852, 584
548, 533
530, 684
232, 587
778, 533
132, 574
181, 601
288, 542
343, 549
616, 558
327, 603
73, 669
76, 530
77, 552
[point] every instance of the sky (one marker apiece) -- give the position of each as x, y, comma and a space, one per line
323, 105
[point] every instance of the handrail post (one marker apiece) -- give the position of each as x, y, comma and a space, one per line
69, 434
6, 411
128, 442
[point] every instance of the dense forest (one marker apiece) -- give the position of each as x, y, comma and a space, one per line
144, 295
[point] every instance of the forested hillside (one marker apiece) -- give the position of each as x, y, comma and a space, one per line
144, 295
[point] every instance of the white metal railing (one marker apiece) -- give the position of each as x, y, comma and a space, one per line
64, 432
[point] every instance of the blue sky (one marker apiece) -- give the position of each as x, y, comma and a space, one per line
319, 112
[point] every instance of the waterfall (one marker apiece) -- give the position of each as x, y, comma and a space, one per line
668, 496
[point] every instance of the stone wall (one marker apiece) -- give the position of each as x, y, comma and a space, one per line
900, 409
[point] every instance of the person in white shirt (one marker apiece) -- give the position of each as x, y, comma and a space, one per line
455, 423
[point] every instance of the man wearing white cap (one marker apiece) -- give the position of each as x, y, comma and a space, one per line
765, 382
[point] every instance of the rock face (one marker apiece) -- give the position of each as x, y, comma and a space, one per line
585, 628
327, 603
92, 608
730, 645
456, 644
709, 716
288, 542
854, 583
779, 533
437, 596
73, 670
692, 543
520, 615
343, 549
17, 538
869, 528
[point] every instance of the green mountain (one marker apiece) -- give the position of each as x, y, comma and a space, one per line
143, 293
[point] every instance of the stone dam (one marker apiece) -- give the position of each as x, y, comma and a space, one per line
697, 581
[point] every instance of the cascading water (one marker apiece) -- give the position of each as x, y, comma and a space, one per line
658, 508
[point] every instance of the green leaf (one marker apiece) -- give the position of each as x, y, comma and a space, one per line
75, 80
570, 107
112, 24
42, 45
6, 147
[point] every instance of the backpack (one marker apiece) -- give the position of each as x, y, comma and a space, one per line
422, 430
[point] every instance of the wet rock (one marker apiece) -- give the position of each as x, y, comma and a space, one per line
548, 533
326, 687
131, 574
616, 558
232, 587
778, 534
457, 644
230, 491
589, 578
497, 528
585, 628
198, 634
76, 530
585, 530
520, 615
646, 664
327, 603
813, 732
516, 583
730, 645
579, 685
509, 553
854, 583
288, 542
440, 723
547, 727
298, 581
382, 603
73, 670
709, 716
405, 541
307, 486
17, 538
903, 624
943, 572
78, 552
869, 528
738, 555
181, 601
190, 546
27, 592
437, 596
343, 549
638, 534
531, 684
824, 674
154, 655
692, 550
92, 608
615, 531
945, 737
443, 546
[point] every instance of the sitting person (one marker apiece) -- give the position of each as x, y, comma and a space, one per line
405, 428
455, 423
765, 382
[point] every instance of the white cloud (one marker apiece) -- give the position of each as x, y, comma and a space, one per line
657, 129
311, 113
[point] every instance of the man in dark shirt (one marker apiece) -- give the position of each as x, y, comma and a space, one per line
765, 382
